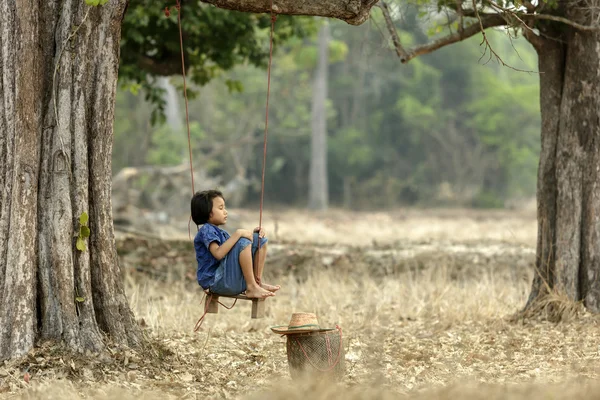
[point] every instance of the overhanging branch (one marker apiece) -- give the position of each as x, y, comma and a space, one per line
392, 30
530, 16
354, 12
486, 22
563, 20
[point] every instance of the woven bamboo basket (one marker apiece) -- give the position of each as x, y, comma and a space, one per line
316, 353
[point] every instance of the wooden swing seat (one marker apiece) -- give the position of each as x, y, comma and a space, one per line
212, 304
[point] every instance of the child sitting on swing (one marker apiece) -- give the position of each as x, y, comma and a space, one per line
225, 261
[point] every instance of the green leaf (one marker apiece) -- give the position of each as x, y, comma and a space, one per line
80, 244
84, 232
92, 3
83, 219
234, 85
79, 299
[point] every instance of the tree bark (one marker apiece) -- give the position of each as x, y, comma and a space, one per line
58, 166
318, 189
568, 195
354, 12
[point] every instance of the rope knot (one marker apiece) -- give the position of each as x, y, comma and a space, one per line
273, 18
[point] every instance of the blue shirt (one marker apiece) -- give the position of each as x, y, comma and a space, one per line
207, 264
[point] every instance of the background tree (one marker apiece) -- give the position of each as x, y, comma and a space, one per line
318, 189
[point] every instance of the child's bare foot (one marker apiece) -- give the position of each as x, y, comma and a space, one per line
258, 293
270, 288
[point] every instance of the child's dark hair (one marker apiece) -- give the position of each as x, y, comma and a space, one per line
202, 205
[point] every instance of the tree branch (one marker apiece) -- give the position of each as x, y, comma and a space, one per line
488, 46
467, 32
530, 7
463, 33
392, 30
483, 22
354, 12
528, 32
521, 16
562, 20
510, 13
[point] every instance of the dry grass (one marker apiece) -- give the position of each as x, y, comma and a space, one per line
420, 324
341, 227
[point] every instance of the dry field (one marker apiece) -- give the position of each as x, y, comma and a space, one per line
426, 301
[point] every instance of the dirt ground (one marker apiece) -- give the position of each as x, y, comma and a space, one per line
426, 300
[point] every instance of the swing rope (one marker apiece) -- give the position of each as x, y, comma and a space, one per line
187, 112
264, 162
187, 120
262, 187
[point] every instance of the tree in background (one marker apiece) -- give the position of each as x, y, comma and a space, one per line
318, 188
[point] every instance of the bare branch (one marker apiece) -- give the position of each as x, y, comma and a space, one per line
392, 29
562, 20
485, 40
484, 21
520, 17
510, 13
471, 30
487, 21
488, 46
528, 32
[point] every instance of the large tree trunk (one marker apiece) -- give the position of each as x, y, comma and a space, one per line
53, 171
318, 189
568, 196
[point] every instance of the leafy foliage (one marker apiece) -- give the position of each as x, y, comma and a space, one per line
215, 40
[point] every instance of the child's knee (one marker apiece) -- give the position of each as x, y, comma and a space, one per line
247, 247
263, 240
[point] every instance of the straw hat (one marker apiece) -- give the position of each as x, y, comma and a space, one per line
300, 323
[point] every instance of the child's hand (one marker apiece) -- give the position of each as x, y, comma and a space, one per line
261, 232
245, 233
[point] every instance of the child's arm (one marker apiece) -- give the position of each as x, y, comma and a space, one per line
219, 252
